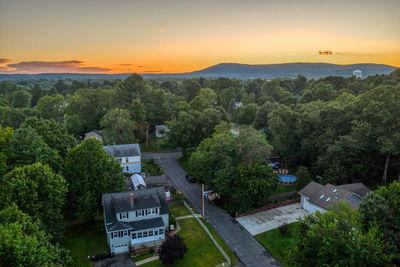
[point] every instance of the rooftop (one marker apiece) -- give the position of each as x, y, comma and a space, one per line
127, 150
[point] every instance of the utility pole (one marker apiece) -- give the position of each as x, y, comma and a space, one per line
147, 139
202, 197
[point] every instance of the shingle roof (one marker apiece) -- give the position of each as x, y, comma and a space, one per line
137, 225
143, 199
128, 150
325, 195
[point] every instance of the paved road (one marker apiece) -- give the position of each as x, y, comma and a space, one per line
246, 248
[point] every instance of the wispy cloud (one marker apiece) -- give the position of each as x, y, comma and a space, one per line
162, 29
325, 53
151, 71
4, 60
125, 65
54, 67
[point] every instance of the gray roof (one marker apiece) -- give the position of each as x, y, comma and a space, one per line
128, 150
137, 225
325, 195
143, 199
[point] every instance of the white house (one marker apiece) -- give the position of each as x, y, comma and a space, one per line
128, 156
315, 196
138, 182
135, 219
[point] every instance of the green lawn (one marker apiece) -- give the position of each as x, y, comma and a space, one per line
177, 208
143, 255
85, 240
201, 251
279, 244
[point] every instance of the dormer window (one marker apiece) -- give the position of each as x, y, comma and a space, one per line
322, 196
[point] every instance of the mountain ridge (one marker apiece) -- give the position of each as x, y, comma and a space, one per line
232, 70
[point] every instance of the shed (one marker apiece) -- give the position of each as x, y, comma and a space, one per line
138, 182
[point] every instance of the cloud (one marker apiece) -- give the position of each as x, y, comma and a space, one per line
162, 30
325, 53
4, 60
125, 65
140, 66
151, 71
54, 67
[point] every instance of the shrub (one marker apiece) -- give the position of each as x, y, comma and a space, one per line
283, 227
172, 249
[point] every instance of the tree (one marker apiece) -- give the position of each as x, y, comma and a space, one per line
303, 176
118, 127
53, 133
172, 249
225, 98
37, 191
26, 146
21, 99
338, 240
61, 87
90, 173
5, 134
37, 93
51, 107
249, 185
261, 118
24, 243
246, 114
319, 91
206, 99
132, 87
191, 88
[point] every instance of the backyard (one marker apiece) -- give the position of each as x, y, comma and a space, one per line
279, 244
85, 240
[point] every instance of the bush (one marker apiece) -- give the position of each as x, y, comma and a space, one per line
172, 249
283, 227
151, 168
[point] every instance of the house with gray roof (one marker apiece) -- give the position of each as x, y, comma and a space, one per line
128, 155
315, 196
94, 134
135, 219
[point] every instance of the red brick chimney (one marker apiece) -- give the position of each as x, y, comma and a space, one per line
131, 200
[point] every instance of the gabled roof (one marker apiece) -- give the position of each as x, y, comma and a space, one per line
93, 133
143, 199
325, 195
137, 180
128, 150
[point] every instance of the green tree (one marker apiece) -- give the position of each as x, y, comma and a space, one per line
37, 93
26, 146
191, 88
37, 191
225, 98
336, 237
118, 127
5, 134
246, 114
90, 173
132, 87
51, 107
24, 243
319, 91
21, 99
206, 99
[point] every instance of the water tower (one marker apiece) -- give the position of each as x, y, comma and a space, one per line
358, 74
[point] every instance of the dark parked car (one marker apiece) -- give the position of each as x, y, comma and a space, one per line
190, 178
102, 256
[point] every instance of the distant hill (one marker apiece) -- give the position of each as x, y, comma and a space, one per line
232, 70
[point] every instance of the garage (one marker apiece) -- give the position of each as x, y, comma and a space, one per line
122, 248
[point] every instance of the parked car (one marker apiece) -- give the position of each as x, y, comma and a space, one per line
102, 256
190, 178
213, 198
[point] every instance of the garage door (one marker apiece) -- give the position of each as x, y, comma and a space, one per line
122, 248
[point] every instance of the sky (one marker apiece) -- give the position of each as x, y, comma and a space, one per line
170, 36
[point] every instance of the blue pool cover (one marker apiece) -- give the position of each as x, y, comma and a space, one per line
287, 178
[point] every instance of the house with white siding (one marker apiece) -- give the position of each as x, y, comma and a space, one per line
318, 197
128, 156
135, 219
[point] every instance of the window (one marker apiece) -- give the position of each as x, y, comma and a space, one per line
129, 232
127, 215
156, 210
127, 160
334, 190
112, 235
127, 168
144, 234
151, 233
125, 233
155, 232
328, 199
120, 234
139, 235
138, 213
146, 212
161, 231
134, 236
120, 216
322, 196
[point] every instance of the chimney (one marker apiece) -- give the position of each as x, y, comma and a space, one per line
131, 200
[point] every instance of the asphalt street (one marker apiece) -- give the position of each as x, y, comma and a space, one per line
246, 248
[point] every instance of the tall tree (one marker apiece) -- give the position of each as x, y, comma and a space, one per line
37, 93
90, 173
52, 107
191, 88
117, 127
21, 99
37, 191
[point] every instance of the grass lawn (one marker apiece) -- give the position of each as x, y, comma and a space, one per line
201, 251
143, 255
155, 144
177, 208
279, 244
85, 240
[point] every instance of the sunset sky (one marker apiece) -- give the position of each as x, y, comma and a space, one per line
42, 36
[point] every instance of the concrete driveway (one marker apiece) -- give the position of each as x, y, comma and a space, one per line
269, 219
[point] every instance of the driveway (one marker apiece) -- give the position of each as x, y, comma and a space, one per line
245, 247
117, 261
270, 219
